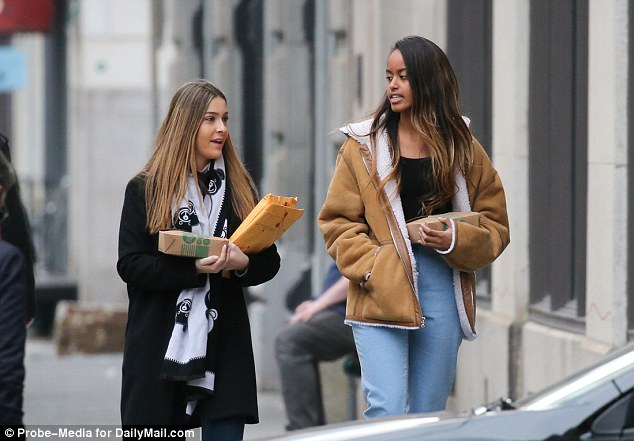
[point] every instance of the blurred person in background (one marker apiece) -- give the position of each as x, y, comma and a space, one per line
316, 332
188, 356
13, 289
412, 302
17, 231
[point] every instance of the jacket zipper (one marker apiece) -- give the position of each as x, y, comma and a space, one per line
420, 309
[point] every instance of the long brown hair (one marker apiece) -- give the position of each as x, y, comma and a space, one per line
435, 115
173, 160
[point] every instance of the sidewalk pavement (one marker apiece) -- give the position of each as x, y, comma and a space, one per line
84, 390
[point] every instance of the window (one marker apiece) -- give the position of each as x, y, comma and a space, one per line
469, 48
558, 156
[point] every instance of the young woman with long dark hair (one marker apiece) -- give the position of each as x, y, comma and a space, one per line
411, 303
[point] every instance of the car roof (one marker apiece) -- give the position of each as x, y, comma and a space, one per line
617, 367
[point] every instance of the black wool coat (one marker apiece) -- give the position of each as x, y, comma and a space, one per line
154, 281
13, 286
17, 231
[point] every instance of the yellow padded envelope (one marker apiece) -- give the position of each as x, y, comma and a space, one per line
266, 223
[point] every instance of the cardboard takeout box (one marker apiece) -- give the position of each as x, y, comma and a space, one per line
182, 243
470, 217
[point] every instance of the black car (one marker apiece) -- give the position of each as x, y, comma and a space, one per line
594, 404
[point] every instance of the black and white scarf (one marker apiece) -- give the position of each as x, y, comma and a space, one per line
191, 352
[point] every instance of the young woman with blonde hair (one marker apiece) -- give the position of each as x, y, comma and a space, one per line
188, 357
411, 303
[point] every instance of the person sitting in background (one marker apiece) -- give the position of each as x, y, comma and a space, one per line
316, 332
13, 287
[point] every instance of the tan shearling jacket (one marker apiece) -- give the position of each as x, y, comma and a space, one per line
369, 240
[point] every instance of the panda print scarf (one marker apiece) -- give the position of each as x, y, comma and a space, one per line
191, 352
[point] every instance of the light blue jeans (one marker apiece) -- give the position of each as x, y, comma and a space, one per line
410, 371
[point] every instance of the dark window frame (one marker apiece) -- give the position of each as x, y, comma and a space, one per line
630, 180
558, 152
470, 51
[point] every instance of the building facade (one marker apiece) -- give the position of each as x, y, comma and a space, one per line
546, 83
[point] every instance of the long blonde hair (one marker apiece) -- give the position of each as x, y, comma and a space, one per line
173, 160
435, 115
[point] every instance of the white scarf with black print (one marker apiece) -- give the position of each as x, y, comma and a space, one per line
191, 351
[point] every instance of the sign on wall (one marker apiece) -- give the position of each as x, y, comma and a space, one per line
12, 69
25, 16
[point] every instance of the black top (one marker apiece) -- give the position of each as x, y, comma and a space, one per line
416, 182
